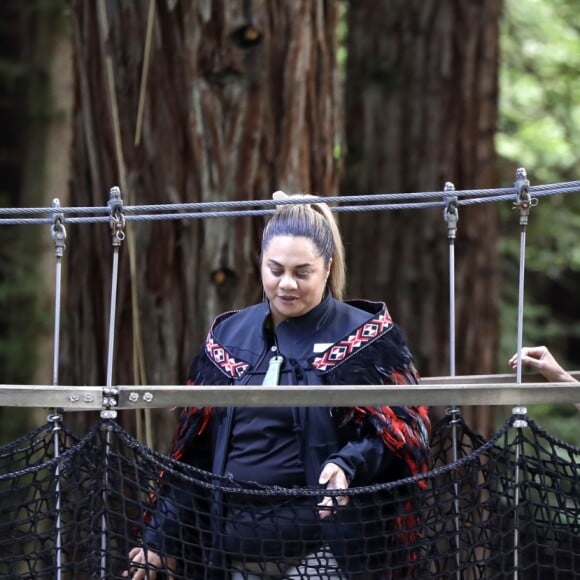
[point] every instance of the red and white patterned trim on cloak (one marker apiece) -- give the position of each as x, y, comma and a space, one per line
345, 348
222, 358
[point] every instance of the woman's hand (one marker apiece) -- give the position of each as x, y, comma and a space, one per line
145, 564
541, 358
333, 477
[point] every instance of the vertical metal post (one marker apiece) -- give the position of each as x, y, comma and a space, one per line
58, 233
117, 223
519, 423
523, 203
451, 215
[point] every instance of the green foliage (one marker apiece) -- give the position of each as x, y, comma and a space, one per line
539, 129
560, 420
20, 318
26, 33
21, 322
540, 88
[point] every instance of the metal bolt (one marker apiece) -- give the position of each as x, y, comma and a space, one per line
88, 398
73, 398
109, 402
148, 397
133, 397
108, 414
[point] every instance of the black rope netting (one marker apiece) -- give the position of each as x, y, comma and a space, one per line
508, 504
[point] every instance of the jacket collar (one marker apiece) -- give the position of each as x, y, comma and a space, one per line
234, 350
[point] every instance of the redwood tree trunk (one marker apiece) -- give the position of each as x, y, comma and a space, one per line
421, 109
240, 101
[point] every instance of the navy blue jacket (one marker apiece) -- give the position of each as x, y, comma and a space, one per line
335, 343
246, 345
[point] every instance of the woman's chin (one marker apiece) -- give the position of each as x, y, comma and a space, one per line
288, 309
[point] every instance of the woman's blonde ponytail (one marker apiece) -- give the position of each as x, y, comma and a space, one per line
337, 276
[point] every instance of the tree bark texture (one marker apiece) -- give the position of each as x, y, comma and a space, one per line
240, 100
421, 109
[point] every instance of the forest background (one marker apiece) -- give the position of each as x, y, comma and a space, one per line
527, 61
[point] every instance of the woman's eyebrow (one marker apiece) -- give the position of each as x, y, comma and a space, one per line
274, 263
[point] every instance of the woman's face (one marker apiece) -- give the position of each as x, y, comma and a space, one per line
293, 276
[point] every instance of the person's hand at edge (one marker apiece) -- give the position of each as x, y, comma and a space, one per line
541, 358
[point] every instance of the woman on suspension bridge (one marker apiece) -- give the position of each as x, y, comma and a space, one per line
303, 333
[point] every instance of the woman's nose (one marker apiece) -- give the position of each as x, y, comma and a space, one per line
288, 281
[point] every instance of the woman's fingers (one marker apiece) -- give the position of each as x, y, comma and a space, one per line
333, 477
145, 565
325, 513
326, 507
531, 355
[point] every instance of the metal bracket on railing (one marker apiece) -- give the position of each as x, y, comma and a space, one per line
57, 229
110, 399
455, 415
523, 200
520, 414
451, 213
117, 218
56, 419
